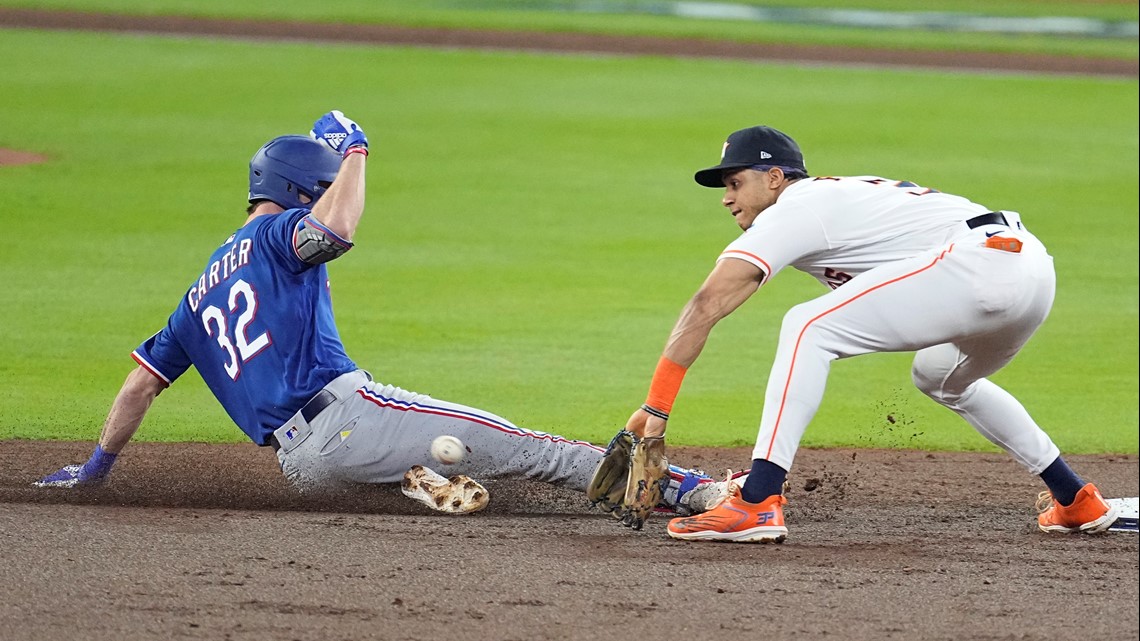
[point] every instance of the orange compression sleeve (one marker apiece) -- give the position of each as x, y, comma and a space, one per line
666, 383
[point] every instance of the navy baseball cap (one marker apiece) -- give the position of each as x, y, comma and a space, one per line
758, 145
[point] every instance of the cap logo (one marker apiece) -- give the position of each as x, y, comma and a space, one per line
765, 155
723, 151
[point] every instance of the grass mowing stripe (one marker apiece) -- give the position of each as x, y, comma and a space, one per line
533, 229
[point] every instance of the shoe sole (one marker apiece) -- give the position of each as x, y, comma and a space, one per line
456, 495
754, 535
1092, 527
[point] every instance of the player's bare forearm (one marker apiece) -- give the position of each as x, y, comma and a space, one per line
727, 287
730, 284
341, 207
130, 406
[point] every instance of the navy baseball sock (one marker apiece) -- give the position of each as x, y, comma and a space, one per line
1062, 481
765, 479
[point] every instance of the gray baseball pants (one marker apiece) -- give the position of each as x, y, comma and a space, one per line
373, 433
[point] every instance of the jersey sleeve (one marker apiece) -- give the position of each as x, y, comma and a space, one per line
781, 235
163, 356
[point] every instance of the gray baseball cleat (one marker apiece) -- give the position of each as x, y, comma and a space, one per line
709, 494
457, 495
703, 497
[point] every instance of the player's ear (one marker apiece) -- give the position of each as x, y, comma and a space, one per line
775, 177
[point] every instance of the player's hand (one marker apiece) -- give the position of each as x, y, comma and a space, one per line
70, 476
93, 473
338, 132
642, 424
606, 489
631, 477
648, 468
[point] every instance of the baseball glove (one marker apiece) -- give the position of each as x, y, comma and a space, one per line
648, 470
606, 490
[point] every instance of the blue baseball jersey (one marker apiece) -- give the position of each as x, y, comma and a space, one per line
257, 325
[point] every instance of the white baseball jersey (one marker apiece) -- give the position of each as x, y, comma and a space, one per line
838, 228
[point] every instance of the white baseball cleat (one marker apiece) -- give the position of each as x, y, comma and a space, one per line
457, 495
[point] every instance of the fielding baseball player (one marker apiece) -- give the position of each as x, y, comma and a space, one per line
257, 324
909, 269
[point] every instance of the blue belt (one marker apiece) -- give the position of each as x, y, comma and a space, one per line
315, 406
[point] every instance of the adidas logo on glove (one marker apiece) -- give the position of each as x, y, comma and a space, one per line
335, 139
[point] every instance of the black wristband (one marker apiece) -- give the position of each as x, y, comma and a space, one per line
656, 412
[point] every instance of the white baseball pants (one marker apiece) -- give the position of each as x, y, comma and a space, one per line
966, 309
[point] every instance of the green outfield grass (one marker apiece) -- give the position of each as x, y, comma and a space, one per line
528, 15
533, 228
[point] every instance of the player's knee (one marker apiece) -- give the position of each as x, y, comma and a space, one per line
809, 328
798, 325
935, 381
925, 383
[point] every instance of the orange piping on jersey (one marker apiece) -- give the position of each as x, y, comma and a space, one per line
767, 268
795, 351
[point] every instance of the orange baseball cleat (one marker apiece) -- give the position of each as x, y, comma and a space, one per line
737, 520
1088, 513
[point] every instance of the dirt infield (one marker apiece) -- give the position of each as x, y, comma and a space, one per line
207, 542
196, 541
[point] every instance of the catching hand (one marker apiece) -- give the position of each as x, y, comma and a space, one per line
606, 490
648, 468
338, 132
631, 477
91, 474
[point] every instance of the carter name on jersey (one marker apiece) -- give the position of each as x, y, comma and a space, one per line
219, 271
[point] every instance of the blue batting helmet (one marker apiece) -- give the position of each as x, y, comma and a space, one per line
289, 167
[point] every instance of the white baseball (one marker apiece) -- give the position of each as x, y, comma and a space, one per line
447, 449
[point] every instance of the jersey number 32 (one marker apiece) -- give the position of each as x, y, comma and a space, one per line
240, 348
